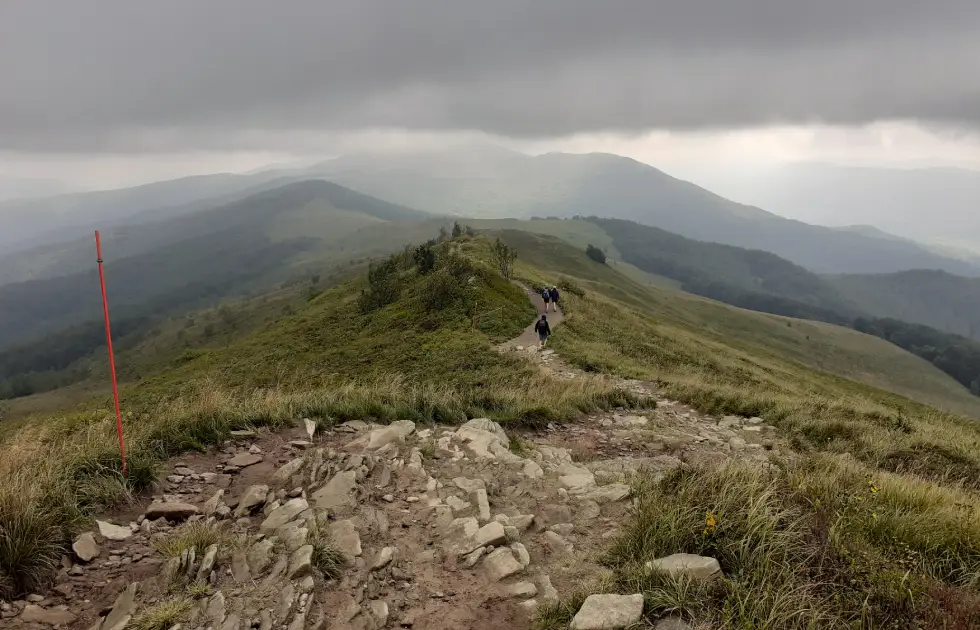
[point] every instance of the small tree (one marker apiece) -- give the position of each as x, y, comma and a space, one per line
503, 257
595, 254
425, 258
457, 229
383, 287
443, 234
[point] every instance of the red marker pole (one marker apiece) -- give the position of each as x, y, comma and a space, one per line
112, 359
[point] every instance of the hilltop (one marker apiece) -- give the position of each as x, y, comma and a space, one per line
852, 503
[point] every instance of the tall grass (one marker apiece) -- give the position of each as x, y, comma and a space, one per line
811, 546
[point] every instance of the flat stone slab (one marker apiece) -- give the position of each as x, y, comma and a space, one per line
608, 612
244, 460
686, 564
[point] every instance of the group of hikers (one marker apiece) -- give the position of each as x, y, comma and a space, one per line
551, 297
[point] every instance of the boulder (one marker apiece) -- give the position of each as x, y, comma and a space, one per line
736, 444
171, 511
578, 483
113, 532
85, 547
469, 485
523, 590
338, 493
485, 438
207, 563
608, 612
260, 556
688, 565
214, 503
310, 427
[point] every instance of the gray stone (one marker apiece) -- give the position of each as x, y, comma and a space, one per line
522, 554
523, 590
673, 623
532, 470
380, 438
184, 471
608, 494
385, 556
216, 609
338, 493
253, 498
548, 592
608, 612
260, 556
501, 564
122, 609
513, 534
310, 427
276, 572
346, 538
207, 563
469, 485
175, 478
113, 532
457, 504
293, 536
588, 510
379, 610
557, 543
171, 511
490, 534
578, 483
85, 547
689, 565
736, 444
239, 567
254, 449
466, 527
473, 557
213, 504
284, 474
244, 460
301, 562
47, 616
483, 505
283, 514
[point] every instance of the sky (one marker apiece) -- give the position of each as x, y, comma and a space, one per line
114, 92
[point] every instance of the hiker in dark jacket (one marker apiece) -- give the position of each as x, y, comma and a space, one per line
543, 329
554, 297
546, 296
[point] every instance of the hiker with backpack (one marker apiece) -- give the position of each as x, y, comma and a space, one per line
553, 292
543, 329
546, 296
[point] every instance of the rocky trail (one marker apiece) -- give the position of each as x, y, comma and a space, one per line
466, 527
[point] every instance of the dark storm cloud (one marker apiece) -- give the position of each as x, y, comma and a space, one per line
153, 74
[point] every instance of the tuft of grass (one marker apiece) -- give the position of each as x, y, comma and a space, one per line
198, 535
812, 545
327, 559
557, 615
32, 539
428, 449
162, 616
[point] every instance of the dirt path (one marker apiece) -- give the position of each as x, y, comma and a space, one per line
529, 337
441, 527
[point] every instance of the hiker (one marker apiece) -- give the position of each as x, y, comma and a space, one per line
543, 329
554, 297
546, 296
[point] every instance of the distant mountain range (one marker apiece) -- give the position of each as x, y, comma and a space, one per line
499, 183
933, 205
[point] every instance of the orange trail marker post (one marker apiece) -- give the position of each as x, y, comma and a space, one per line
112, 359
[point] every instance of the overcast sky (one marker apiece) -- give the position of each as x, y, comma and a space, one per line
111, 91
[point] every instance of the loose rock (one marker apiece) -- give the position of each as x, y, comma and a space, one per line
608, 612
85, 547
113, 532
689, 565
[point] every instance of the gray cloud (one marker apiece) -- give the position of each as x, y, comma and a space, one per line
125, 75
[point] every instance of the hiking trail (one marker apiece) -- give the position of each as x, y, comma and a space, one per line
470, 527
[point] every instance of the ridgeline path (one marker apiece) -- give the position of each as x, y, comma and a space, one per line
529, 337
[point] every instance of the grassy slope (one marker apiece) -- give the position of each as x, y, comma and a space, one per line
744, 336
933, 298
